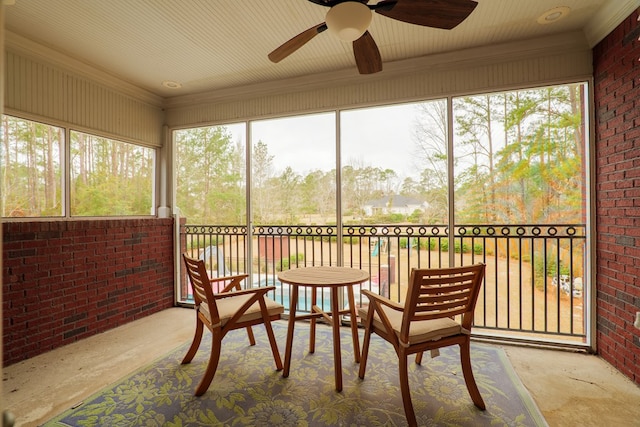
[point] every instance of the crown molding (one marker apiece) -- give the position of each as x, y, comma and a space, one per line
607, 18
28, 48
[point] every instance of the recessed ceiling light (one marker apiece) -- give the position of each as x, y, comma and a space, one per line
553, 15
170, 84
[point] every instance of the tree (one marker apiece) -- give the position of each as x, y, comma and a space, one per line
361, 183
30, 162
210, 186
430, 136
262, 172
537, 173
110, 177
475, 118
318, 194
287, 196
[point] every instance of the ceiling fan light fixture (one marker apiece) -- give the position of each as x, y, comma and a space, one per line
349, 20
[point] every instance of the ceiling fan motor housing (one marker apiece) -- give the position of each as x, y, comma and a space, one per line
349, 20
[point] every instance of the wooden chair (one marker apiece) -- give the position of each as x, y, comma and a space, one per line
426, 322
232, 308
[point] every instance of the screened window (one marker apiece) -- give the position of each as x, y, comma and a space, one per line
521, 156
210, 169
105, 177
109, 177
30, 164
293, 170
394, 163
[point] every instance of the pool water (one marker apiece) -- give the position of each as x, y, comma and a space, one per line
304, 299
283, 292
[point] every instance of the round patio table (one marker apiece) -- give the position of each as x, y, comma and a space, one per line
333, 278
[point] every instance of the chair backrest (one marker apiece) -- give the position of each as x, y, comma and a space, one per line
201, 285
442, 292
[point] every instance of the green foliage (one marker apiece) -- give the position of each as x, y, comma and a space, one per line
478, 249
403, 243
518, 158
284, 263
210, 176
532, 173
391, 218
352, 240
107, 177
415, 217
115, 178
202, 242
30, 167
433, 244
551, 265
461, 247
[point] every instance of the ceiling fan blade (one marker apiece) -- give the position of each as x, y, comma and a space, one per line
445, 14
328, 3
295, 43
367, 54
331, 3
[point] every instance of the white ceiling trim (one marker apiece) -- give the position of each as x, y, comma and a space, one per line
608, 18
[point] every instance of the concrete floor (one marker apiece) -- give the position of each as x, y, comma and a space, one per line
571, 389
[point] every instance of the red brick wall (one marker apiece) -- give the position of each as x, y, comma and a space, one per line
67, 280
617, 124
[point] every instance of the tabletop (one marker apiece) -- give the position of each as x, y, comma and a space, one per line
323, 276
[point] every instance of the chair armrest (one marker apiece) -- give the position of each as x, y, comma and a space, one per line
383, 300
235, 282
261, 290
375, 306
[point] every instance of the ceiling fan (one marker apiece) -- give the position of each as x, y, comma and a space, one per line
350, 19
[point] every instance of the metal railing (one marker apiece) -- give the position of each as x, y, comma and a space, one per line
535, 288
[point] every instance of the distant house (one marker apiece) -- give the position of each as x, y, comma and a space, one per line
394, 204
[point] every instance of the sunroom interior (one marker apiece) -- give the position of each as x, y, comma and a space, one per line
137, 72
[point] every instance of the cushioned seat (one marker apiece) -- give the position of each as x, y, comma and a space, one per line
437, 312
419, 331
227, 307
232, 308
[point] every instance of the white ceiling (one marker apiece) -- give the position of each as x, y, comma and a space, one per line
211, 45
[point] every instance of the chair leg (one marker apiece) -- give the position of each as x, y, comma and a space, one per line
212, 365
419, 358
365, 353
274, 344
404, 389
465, 360
195, 343
252, 339
435, 352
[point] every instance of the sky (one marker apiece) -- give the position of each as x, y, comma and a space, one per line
377, 137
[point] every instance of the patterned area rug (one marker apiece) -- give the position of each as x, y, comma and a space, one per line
247, 391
